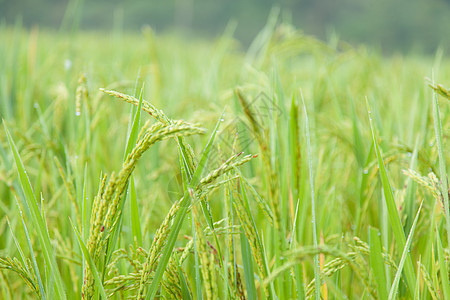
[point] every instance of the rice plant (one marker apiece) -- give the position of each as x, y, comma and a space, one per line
151, 167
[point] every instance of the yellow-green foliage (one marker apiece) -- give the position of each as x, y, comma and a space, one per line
69, 103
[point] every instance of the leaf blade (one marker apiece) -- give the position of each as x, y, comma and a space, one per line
394, 217
90, 262
394, 287
179, 218
38, 222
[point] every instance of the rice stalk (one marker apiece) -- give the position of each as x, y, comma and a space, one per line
266, 155
14, 265
156, 248
81, 94
440, 89
70, 191
146, 106
430, 182
241, 209
205, 259
428, 281
105, 208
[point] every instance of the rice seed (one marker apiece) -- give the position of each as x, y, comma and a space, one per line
105, 208
81, 94
146, 106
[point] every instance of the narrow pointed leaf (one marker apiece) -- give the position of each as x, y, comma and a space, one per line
178, 221
442, 166
135, 220
377, 262
394, 218
313, 206
247, 261
443, 268
394, 287
37, 219
90, 262
30, 248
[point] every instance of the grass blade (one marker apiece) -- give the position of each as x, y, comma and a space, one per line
90, 262
184, 204
295, 161
295, 158
313, 206
442, 167
394, 287
358, 144
184, 287
417, 291
205, 155
443, 268
377, 262
198, 283
247, 261
186, 174
410, 196
259, 250
30, 247
38, 222
132, 137
33, 257
115, 230
135, 221
84, 206
394, 217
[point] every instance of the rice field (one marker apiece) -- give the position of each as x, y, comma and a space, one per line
147, 166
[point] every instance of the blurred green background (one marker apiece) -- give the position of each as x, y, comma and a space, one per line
406, 26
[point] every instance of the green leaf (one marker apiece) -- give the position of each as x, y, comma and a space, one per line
398, 274
134, 207
90, 262
249, 214
186, 295
179, 218
417, 291
37, 220
442, 168
186, 174
247, 261
84, 206
30, 247
410, 196
313, 206
377, 262
443, 268
134, 132
135, 221
294, 159
205, 155
394, 217
198, 280
115, 230
358, 144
